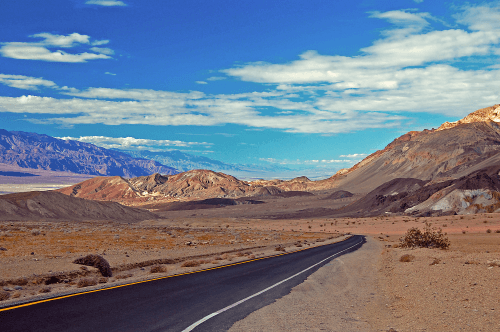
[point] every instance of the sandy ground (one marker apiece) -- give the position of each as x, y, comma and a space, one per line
439, 290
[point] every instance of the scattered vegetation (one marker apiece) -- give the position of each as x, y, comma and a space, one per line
435, 261
85, 282
488, 231
190, 263
406, 258
123, 276
158, 269
96, 261
429, 238
4, 295
45, 290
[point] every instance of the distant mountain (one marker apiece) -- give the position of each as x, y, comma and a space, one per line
184, 162
31, 150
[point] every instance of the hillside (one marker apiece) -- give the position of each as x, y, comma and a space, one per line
35, 151
56, 206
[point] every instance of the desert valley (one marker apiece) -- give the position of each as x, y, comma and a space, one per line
61, 203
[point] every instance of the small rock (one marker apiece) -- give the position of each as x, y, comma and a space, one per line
8, 289
188, 243
3, 249
32, 253
18, 288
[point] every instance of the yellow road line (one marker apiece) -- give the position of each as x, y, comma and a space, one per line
154, 279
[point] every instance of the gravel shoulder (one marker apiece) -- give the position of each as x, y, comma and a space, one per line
340, 296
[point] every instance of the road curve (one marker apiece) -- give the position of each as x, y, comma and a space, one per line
206, 301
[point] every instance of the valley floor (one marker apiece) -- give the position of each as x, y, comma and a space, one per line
438, 290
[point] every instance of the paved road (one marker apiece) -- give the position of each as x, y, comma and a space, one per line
174, 304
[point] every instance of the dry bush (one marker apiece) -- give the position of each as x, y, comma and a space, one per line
488, 231
84, 282
435, 261
123, 276
251, 256
406, 258
4, 295
102, 280
429, 238
45, 290
240, 254
96, 261
158, 269
497, 231
280, 248
218, 258
191, 263
19, 282
16, 295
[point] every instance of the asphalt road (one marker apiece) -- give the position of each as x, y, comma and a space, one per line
175, 304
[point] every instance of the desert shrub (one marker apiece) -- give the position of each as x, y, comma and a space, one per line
429, 238
45, 290
488, 230
4, 295
96, 261
251, 256
497, 231
84, 282
240, 254
123, 276
19, 282
435, 261
279, 248
158, 269
191, 263
406, 258
102, 280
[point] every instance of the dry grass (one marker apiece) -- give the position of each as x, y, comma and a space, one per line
123, 276
85, 282
191, 263
158, 269
406, 258
45, 290
4, 295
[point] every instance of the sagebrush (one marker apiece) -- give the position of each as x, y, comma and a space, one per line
429, 238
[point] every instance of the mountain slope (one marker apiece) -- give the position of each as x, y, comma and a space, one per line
30, 150
53, 205
451, 151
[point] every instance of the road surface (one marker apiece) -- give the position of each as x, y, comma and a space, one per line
205, 301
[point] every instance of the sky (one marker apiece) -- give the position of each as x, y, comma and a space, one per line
307, 85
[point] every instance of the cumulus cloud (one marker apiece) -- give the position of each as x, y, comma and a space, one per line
107, 3
44, 49
201, 82
131, 143
411, 68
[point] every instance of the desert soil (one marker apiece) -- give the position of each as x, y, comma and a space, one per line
438, 290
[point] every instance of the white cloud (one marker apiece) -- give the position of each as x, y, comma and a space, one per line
308, 162
201, 82
216, 78
41, 50
25, 82
354, 155
410, 69
102, 50
108, 73
107, 3
128, 143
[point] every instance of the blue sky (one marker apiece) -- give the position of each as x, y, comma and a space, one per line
302, 84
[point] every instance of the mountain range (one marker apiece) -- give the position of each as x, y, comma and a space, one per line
36, 151
451, 169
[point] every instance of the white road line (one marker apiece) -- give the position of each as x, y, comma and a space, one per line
204, 319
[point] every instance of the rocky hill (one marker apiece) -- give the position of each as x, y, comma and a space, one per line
452, 151
35, 151
48, 205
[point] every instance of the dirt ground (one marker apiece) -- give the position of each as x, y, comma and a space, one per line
438, 290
